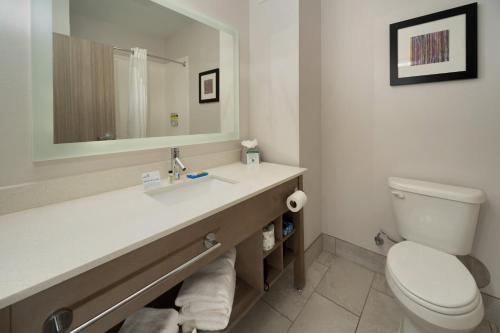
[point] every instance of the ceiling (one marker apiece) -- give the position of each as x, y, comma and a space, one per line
141, 16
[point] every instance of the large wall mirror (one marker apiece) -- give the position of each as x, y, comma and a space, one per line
119, 75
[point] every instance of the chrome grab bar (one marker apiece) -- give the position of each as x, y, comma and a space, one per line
54, 324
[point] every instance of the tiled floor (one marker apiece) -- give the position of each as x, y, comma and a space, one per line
340, 297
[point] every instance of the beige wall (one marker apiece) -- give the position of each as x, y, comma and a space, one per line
227, 79
196, 41
60, 17
163, 99
445, 132
16, 165
310, 112
274, 79
285, 111
113, 34
200, 43
168, 92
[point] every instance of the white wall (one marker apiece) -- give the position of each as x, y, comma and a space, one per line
16, 164
274, 79
445, 132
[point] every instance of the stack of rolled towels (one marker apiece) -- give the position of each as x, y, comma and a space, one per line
150, 320
206, 298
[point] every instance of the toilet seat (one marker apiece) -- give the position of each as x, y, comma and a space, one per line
433, 279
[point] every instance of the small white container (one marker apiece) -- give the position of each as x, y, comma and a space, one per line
269, 240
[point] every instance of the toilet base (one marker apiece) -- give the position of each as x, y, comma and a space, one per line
409, 326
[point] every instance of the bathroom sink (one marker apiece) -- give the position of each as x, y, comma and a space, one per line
190, 190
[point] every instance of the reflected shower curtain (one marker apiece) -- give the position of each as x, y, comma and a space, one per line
138, 94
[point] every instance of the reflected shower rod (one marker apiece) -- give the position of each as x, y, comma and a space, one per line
183, 63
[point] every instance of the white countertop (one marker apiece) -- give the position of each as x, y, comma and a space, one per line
44, 246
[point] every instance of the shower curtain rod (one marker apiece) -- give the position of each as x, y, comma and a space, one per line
183, 63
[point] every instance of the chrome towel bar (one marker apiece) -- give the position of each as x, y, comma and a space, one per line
60, 321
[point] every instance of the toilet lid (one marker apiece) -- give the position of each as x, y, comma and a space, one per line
432, 276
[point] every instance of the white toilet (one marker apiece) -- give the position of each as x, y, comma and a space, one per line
436, 291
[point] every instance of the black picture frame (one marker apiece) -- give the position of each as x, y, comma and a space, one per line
217, 86
470, 12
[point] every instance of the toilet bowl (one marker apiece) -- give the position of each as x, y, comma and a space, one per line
435, 290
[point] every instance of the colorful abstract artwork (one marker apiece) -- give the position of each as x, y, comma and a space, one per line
209, 86
440, 46
430, 48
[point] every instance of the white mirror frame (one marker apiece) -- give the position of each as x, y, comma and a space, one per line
42, 95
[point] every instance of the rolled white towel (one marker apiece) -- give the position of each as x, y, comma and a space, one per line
210, 315
208, 321
230, 256
206, 298
214, 284
149, 320
216, 307
225, 260
212, 291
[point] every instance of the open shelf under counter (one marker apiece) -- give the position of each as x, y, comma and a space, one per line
276, 246
265, 254
285, 238
273, 274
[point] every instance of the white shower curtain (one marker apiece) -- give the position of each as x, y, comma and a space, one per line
138, 94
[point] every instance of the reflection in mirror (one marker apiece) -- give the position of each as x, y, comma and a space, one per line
126, 69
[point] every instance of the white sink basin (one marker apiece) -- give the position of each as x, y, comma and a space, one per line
190, 190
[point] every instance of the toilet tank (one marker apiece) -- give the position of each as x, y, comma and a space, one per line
440, 216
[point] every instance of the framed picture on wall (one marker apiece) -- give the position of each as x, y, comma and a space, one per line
209, 86
436, 47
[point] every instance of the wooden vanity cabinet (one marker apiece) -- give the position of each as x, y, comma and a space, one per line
93, 292
5, 320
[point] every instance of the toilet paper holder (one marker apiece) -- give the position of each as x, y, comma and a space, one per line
296, 201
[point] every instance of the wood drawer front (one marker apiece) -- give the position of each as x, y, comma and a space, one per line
5, 320
93, 292
248, 217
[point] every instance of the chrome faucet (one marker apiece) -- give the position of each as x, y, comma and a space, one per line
176, 164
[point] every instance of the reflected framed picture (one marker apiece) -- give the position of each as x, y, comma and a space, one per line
436, 47
209, 86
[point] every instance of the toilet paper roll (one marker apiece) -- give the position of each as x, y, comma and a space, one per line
296, 201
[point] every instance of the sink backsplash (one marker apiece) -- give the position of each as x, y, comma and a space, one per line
36, 194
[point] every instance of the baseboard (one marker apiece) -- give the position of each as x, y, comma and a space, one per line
313, 251
492, 309
363, 257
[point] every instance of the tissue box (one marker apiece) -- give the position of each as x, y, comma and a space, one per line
250, 156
